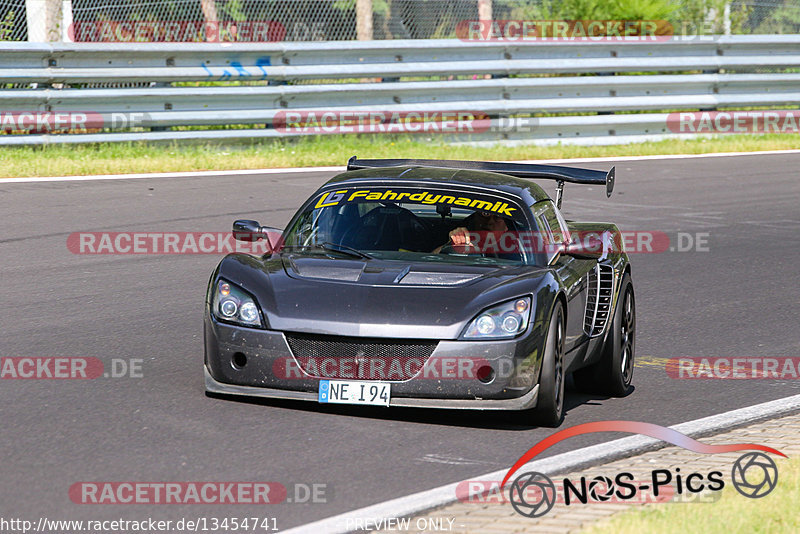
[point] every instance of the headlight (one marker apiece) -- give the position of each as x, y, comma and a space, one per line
235, 305
502, 321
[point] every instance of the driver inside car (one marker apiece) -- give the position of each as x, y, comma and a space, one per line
480, 221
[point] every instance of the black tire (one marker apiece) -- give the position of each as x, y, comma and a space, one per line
549, 410
613, 374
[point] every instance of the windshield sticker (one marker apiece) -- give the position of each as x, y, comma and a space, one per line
333, 198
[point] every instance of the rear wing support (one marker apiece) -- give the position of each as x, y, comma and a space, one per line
559, 192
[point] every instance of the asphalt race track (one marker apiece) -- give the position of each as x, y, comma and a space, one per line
738, 299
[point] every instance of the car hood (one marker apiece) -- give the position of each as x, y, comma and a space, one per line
375, 298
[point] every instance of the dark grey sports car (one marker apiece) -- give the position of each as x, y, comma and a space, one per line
445, 284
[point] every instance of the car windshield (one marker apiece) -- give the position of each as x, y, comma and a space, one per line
411, 224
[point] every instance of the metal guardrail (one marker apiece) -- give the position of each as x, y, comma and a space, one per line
737, 63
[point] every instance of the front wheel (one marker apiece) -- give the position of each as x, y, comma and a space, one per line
549, 410
613, 374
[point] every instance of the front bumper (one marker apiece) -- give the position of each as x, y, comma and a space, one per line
514, 387
520, 403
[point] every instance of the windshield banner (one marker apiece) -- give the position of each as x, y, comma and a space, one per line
334, 198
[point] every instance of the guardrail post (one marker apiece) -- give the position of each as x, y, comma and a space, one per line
66, 21
484, 9
364, 20
726, 17
43, 20
209, 8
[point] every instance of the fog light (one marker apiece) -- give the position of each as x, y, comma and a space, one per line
485, 374
239, 360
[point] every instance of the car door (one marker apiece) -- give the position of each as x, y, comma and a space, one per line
572, 272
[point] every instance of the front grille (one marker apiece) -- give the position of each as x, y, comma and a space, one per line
359, 358
599, 292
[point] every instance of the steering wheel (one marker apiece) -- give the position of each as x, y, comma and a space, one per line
450, 248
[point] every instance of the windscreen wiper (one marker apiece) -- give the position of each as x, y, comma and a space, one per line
333, 247
344, 249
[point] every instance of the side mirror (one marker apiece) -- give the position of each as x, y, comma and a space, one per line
592, 247
247, 230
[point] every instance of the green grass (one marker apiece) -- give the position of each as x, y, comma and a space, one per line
113, 158
775, 513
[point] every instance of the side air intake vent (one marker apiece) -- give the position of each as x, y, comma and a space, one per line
600, 289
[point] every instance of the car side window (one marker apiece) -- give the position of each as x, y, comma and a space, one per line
556, 225
541, 222
562, 223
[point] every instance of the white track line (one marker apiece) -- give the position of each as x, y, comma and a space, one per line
186, 174
296, 170
665, 156
568, 461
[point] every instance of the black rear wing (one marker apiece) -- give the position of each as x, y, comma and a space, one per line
573, 175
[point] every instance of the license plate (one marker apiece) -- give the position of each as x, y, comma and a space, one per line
354, 392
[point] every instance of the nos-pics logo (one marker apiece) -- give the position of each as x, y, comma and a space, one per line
533, 494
